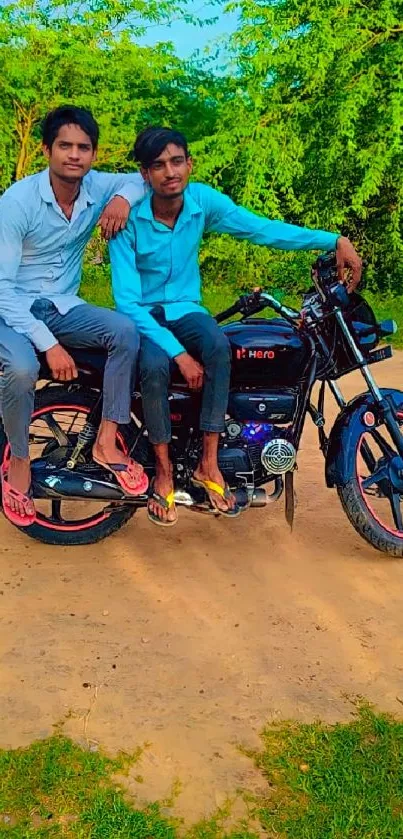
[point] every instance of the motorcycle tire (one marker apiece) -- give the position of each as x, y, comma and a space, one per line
54, 399
373, 528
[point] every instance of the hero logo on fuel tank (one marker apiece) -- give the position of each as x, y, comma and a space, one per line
254, 354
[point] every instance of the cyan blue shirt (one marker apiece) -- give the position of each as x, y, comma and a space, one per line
41, 251
152, 263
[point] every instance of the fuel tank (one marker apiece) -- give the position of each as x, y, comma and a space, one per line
267, 352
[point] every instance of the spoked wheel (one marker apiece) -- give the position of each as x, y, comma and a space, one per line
373, 498
58, 417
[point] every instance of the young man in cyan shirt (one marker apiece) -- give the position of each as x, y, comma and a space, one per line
46, 221
155, 263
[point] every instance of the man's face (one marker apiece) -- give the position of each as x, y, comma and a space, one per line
71, 155
169, 173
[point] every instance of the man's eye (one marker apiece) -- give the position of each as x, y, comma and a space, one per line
156, 166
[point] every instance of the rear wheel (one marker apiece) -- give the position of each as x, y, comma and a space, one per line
372, 502
58, 417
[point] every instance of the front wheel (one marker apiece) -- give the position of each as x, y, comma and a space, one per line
58, 417
372, 501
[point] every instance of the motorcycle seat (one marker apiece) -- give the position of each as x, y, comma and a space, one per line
89, 362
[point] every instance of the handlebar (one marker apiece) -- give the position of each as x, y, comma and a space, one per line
250, 304
228, 313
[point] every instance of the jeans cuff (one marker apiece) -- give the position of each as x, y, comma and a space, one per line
120, 420
160, 442
213, 427
19, 451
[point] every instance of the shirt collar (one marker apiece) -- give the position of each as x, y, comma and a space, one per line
46, 192
190, 208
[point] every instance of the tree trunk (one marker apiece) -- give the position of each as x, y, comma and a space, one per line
24, 122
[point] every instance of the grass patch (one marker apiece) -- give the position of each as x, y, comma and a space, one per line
324, 782
54, 788
339, 782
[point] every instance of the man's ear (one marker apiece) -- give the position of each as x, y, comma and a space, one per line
144, 173
189, 163
94, 155
46, 151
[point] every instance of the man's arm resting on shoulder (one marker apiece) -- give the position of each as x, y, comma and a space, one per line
126, 287
122, 192
14, 308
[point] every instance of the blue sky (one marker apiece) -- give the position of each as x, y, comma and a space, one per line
188, 38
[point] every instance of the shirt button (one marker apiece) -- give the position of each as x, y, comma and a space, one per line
50, 274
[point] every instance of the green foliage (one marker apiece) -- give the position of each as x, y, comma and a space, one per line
304, 124
312, 130
56, 53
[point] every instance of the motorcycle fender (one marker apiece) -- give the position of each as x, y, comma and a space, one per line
346, 432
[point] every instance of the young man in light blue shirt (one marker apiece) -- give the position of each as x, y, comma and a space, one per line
46, 221
155, 263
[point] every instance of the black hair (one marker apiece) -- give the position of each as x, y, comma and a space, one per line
69, 115
151, 142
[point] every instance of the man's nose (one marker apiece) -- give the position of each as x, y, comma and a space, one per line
169, 170
74, 153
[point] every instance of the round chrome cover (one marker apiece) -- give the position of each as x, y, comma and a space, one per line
278, 456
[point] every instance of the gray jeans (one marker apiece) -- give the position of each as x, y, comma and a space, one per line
83, 326
205, 341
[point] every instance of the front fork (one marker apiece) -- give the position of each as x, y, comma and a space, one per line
362, 414
385, 410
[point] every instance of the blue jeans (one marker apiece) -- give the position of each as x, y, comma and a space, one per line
202, 338
83, 326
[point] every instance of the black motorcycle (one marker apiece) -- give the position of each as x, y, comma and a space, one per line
275, 365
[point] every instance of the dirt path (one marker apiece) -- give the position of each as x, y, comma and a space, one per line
191, 640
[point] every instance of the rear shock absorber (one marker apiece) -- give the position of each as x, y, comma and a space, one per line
87, 435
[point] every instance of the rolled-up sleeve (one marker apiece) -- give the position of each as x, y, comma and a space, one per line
14, 308
126, 287
224, 216
130, 186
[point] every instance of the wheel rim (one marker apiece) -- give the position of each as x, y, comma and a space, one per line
384, 504
48, 425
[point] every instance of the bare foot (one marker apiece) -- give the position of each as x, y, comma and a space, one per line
111, 454
162, 485
205, 472
19, 477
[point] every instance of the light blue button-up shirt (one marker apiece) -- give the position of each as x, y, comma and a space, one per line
154, 264
41, 251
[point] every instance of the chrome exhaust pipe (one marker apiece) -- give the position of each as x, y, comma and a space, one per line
259, 498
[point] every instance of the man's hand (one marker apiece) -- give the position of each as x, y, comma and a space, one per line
191, 370
347, 257
114, 217
61, 364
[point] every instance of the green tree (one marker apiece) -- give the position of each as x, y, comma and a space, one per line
312, 131
53, 53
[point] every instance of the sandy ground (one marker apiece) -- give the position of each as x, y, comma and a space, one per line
190, 640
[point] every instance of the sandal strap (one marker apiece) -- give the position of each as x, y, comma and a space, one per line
129, 467
165, 502
213, 487
11, 492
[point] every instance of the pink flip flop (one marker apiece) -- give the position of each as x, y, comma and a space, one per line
9, 492
119, 470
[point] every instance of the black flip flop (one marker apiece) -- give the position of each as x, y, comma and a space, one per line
166, 503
